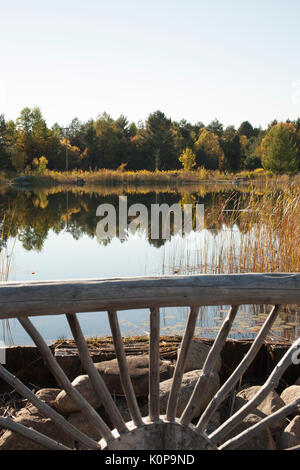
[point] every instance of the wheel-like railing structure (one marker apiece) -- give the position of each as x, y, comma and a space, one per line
152, 432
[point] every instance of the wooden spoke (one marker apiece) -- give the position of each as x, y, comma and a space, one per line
239, 371
244, 436
96, 380
63, 380
270, 384
179, 369
111, 295
208, 367
123, 366
154, 374
47, 411
31, 434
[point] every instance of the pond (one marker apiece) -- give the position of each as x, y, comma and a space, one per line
51, 233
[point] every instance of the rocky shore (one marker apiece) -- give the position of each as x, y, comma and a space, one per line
282, 435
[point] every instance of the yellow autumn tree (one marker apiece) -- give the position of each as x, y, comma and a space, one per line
209, 151
188, 159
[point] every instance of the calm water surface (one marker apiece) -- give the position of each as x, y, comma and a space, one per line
51, 234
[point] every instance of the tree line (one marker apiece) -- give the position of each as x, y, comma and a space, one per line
158, 143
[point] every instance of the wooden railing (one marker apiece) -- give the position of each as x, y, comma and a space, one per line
25, 299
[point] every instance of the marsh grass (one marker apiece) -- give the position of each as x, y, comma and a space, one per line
5, 263
121, 176
256, 232
260, 232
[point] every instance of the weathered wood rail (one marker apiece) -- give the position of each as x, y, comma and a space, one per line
23, 300
76, 296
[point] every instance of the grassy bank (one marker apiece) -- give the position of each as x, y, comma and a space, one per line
105, 176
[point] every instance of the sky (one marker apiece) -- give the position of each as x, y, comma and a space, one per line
193, 59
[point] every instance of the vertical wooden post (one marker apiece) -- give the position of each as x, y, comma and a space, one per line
123, 366
154, 362
179, 369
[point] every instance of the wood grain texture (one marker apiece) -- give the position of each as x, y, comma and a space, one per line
47, 411
124, 372
154, 365
32, 434
60, 297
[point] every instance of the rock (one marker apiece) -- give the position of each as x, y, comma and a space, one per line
109, 370
197, 355
187, 386
262, 441
268, 406
65, 404
14, 441
291, 394
188, 382
138, 367
80, 422
290, 437
48, 395
123, 408
214, 423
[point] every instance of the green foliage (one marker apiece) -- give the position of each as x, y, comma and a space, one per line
246, 129
155, 144
231, 145
279, 150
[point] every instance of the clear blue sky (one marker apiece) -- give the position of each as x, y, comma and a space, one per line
192, 59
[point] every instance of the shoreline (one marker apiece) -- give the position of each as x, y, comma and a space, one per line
175, 178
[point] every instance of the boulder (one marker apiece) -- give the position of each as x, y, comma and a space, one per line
290, 437
138, 367
66, 405
189, 381
123, 408
291, 394
48, 395
31, 419
268, 406
197, 355
109, 370
80, 422
262, 441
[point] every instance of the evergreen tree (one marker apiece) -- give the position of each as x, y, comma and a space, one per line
279, 150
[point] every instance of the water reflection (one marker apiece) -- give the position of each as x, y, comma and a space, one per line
51, 234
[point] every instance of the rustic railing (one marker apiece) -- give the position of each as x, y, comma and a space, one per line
25, 299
